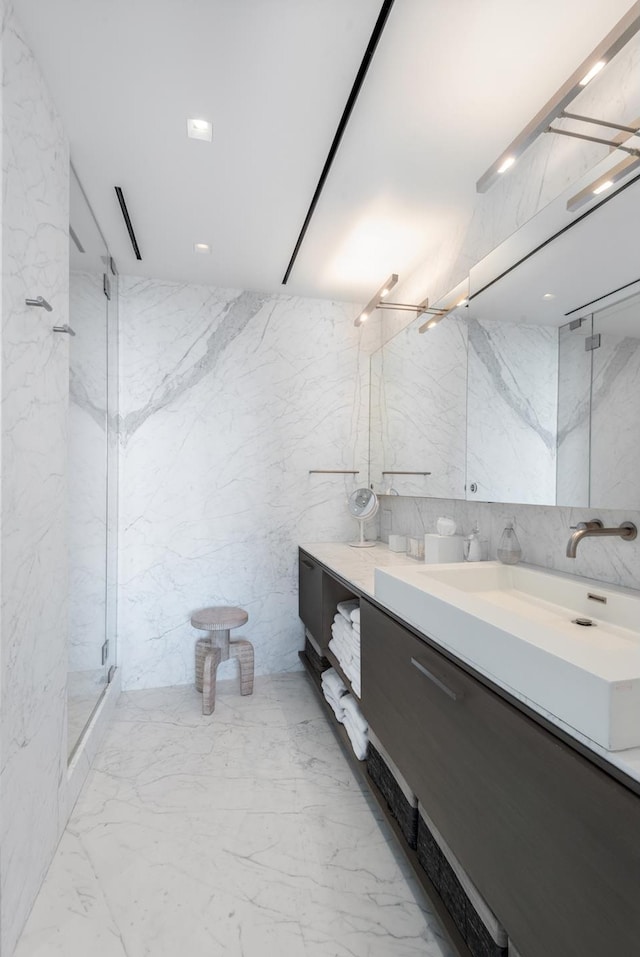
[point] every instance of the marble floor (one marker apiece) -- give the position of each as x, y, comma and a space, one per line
241, 834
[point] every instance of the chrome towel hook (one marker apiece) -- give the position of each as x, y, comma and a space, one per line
66, 328
39, 301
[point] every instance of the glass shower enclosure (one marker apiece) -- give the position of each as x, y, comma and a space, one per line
92, 464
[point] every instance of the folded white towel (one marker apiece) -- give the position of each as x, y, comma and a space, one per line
359, 741
355, 615
346, 608
351, 708
337, 710
332, 680
356, 627
342, 625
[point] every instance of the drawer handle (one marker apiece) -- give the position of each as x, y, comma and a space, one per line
307, 564
455, 694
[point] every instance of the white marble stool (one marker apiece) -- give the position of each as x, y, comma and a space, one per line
217, 647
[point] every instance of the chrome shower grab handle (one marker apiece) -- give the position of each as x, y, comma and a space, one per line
39, 301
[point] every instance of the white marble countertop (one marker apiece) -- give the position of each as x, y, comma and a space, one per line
357, 566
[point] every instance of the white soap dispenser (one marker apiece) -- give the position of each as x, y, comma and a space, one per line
473, 545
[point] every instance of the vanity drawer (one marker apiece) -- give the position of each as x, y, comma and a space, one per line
550, 841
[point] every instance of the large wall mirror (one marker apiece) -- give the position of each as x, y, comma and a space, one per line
547, 357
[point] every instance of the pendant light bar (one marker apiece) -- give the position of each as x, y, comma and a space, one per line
623, 31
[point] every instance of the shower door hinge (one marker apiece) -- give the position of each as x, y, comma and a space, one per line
105, 652
592, 342
106, 285
575, 324
111, 674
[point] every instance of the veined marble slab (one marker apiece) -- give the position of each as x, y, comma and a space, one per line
35, 382
229, 399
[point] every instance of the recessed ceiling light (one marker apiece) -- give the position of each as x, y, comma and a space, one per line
199, 129
549, 295
508, 163
601, 188
595, 69
201, 248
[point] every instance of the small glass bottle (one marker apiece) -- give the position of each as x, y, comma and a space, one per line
509, 551
473, 545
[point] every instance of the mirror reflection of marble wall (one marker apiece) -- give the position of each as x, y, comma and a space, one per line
512, 409
574, 410
615, 408
418, 411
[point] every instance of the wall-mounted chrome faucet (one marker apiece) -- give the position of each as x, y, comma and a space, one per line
627, 532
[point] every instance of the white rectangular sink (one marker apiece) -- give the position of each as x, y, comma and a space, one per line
516, 625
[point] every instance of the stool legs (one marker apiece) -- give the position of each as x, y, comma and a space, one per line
243, 651
210, 667
209, 655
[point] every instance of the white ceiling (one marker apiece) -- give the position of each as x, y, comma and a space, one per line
451, 84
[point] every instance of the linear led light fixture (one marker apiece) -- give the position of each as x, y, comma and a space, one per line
378, 302
374, 303
603, 183
614, 41
437, 315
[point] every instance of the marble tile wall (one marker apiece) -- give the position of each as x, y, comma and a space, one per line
228, 399
33, 581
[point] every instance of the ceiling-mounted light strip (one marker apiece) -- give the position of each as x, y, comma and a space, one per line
623, 31
367, 59
127, 222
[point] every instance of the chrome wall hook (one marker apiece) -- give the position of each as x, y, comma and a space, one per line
39, 301
66, 328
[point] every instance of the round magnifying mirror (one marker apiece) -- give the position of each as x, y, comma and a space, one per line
363, 505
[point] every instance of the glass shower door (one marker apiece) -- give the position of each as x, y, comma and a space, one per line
88, 450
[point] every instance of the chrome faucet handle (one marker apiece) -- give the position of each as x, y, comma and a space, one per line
593, 523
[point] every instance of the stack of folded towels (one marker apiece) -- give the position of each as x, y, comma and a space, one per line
345, 643
334, 690
346, 710
356, 726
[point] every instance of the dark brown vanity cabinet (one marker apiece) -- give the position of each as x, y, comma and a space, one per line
551, 841
318, 596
